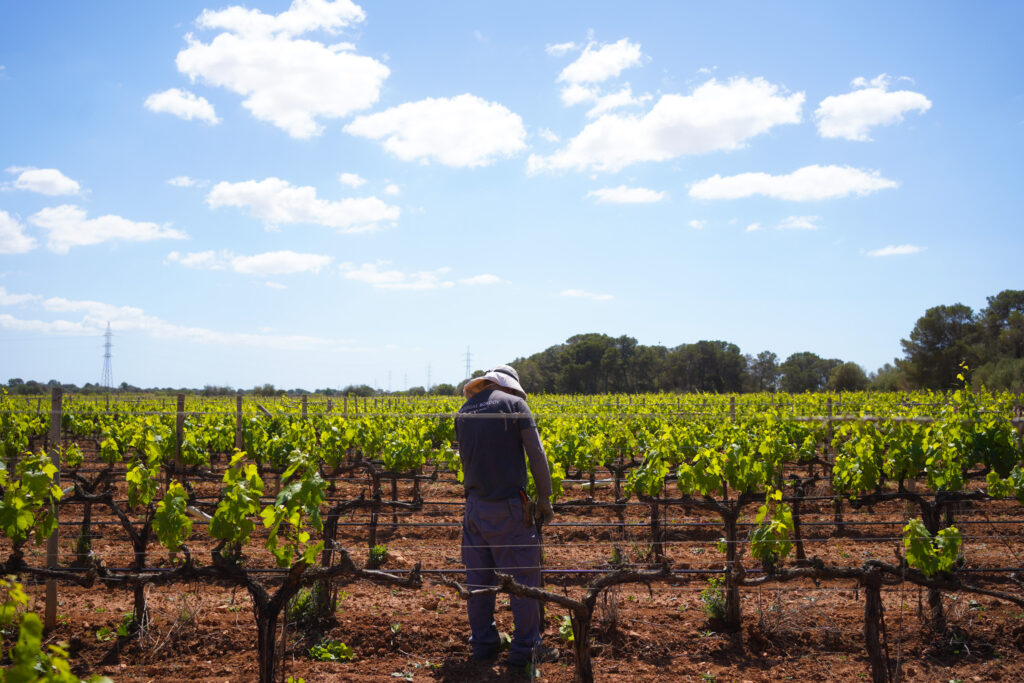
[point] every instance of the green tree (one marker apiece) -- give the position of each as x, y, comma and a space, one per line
712, 366
1005, 373
848, 377
806, 371
939, 343
359, 390
1001, 326
763, 371
888, 378
584, 366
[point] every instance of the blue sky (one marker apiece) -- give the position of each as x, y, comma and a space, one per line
320, 193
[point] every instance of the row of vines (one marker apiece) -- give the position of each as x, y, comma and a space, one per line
190, 482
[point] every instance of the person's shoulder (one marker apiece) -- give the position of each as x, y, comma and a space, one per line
510, 399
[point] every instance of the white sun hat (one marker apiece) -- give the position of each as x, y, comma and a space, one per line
504, 376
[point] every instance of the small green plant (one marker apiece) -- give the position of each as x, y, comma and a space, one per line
713, 598
301, 608
565, 629
708, 677
328, 650
642, 552
396, 627
616, 557
378, 555
83, 544
123, 630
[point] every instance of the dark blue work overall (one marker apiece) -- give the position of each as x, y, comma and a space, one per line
495, 535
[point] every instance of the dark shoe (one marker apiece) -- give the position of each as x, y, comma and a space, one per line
540, 655
546, 654
485, 656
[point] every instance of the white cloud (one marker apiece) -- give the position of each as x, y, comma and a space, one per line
584, 294
182, 181
67, 226
183, 104
577, 94
716, 116
853, 114
351, 179
810, 183
288, 81
798, 223
302, 17
464, 131
697, 224
548, 135
622, 98
59, 327
48, 181
893, 250
392, 190
598, 64
13, 239
790, 223
16, 299
268, 263
627, 195
373, 274
277, 202
200, 260
279, 263
483, 279
559, 49
380, 276
129, 319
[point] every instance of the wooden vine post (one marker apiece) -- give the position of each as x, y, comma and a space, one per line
874, 625
238, 421
179, 432
56, 418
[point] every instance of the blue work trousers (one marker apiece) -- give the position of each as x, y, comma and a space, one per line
495, 538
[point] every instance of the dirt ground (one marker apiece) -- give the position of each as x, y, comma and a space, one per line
795, 631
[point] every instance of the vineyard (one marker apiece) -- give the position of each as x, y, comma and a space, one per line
703, 537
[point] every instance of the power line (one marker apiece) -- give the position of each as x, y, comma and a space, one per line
107, 381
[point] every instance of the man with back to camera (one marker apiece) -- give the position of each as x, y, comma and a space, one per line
498, 528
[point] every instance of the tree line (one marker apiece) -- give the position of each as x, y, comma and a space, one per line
990, 342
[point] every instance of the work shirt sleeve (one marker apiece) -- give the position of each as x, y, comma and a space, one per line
538, 462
